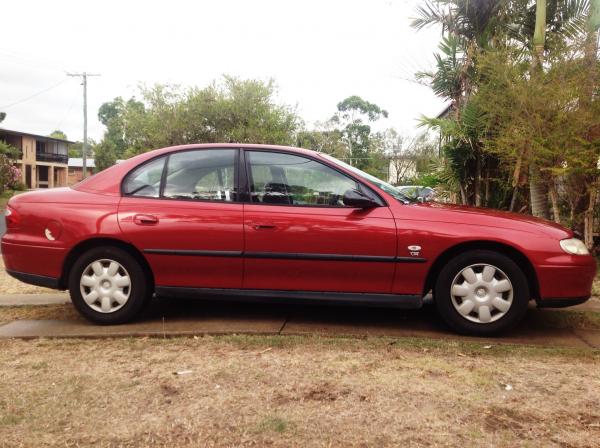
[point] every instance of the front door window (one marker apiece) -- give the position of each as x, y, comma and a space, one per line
279, 178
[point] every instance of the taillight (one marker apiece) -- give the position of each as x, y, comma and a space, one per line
13, 219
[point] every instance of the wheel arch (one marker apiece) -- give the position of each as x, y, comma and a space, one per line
514, 254
91, 243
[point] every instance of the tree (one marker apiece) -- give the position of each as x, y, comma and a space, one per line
10, 175
2, 116
231, 110
58, 134
409, 158
471, 30
324, 138
352, 117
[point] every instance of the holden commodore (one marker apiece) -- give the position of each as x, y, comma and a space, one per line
279, 223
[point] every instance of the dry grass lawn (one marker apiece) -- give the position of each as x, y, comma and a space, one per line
39, 312
294, 391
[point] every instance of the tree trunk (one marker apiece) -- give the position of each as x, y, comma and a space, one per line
554, 199
588, 220
516, 179
513, 200
538, 193
487, 187
463, 195
477, 179
537, 190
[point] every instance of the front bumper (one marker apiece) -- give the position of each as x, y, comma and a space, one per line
565, 284
561, 303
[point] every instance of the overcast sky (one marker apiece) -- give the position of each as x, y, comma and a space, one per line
318, 52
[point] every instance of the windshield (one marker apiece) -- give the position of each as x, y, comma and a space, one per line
389, 189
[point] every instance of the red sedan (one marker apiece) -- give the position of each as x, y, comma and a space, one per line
282, 223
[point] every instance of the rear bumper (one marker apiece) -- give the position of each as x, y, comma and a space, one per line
36, 265
33, 279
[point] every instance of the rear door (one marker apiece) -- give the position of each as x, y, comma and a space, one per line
300, 236
182, 211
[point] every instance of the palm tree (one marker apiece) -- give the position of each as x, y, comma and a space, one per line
473, 26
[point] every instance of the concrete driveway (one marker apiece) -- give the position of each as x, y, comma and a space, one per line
166, 318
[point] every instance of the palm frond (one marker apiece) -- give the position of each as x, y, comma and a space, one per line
429, 14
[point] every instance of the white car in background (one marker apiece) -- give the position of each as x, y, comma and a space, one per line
417, 192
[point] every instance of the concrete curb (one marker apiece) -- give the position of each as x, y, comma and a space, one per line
34, 299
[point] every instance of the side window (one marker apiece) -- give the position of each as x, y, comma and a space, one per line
207, 175
278, 178
144, 181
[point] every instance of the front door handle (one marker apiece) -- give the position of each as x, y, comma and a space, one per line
145, 220
264, 227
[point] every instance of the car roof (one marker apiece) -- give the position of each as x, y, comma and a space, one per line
105, 181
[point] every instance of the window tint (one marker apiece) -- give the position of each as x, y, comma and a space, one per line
207, 175
278, 178
145, 180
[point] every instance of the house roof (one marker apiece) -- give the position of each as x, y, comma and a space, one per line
446, 111
77, 162
28, 134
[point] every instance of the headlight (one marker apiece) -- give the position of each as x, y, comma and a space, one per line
574, 246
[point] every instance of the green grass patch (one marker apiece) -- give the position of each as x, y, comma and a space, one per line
4, 197
273, 423
410, 344
10, 419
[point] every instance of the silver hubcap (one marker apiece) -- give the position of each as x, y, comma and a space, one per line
481, 293
105, 286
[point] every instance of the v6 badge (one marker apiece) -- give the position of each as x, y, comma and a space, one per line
415, 251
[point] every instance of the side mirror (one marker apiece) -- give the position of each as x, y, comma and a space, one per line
356, 199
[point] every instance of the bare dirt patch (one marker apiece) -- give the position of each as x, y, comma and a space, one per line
10, 285
301, 392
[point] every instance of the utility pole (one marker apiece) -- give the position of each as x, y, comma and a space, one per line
84, 77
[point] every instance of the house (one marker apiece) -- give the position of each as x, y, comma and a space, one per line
401, 168
41, 159
76, 169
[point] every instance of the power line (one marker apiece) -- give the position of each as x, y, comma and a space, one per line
34, 95
38, 63
84, 77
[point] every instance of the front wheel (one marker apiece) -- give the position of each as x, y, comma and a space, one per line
481, 293
108, 286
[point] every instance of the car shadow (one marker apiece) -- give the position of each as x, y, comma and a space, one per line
322, 319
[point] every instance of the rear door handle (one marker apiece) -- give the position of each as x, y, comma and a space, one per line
265, 227
145, 220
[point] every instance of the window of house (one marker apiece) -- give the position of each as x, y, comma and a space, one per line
278, 178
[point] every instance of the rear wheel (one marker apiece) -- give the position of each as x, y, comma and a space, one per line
108, 286
481, 293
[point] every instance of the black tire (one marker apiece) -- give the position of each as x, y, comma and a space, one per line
461, 324
139, 289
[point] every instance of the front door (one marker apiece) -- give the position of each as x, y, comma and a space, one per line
300, 236
181, 212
